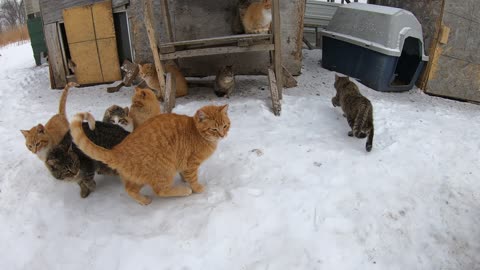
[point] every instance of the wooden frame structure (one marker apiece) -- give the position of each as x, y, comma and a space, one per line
219, 45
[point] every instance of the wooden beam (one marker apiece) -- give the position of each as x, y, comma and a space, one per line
58, 78
166, 20
217, 50
288, 80
277, 54
170, 93
218, 40
148, 18
276, 105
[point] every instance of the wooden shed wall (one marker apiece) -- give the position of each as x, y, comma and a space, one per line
52, 9
451, 29
192, 19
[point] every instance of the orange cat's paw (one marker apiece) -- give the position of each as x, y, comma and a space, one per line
145, 200
197, 188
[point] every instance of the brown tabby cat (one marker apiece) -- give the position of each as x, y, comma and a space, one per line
144, 106
40, 139
163, 146
257, 17
357, 109
149, 74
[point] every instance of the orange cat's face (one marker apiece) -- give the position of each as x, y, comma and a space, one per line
267, 4
142, 96
146, 70
212, 122
36, 139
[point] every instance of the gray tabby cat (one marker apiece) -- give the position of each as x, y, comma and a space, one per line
225, 82
118, 116
357, 108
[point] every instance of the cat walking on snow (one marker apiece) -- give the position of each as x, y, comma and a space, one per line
357, 108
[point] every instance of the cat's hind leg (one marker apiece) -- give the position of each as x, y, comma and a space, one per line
165, 187
133, 190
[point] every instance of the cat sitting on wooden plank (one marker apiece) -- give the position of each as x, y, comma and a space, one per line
257, 17
40, 139
118, 116
67, 162
158, 149
357, 108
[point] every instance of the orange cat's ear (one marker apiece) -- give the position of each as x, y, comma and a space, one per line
224, 108
40, 128
137, 89
24, 132
201, 115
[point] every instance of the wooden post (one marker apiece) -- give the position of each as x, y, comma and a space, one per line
276, 105
277, 58
148, 18
166, 20
170, 95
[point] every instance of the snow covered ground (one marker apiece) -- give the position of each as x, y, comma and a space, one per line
310, 198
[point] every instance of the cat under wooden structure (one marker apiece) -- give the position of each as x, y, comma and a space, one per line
256, 17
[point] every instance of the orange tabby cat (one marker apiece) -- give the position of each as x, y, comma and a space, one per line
40, 139
144, 106
257, 17
149, 74
156, 151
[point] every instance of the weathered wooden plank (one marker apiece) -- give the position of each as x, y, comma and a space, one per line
288, 80
277, 59
218, 40
170, 92
55, 59
148, 19
166, 20
276, 105
217, 50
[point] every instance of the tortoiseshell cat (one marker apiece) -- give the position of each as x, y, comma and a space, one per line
257, 17
224, 82
68, 163
118, 116
357, 108
149, 74
144, 106
158, 149
40, 139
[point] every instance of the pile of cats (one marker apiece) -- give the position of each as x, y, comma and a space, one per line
159, 147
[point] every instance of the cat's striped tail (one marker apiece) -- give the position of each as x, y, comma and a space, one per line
63, 98
83, 142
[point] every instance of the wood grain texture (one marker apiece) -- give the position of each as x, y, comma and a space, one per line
55, 58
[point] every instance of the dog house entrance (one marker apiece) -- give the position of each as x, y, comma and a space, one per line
408, 62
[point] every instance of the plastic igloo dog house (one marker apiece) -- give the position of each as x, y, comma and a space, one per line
380, 46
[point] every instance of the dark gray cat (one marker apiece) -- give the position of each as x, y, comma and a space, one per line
225, 82
68, 163
357, 108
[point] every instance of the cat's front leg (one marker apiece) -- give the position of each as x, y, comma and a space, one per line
191, 177
87, 186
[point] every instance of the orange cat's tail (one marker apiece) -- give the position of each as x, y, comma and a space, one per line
63, 98
83, 142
